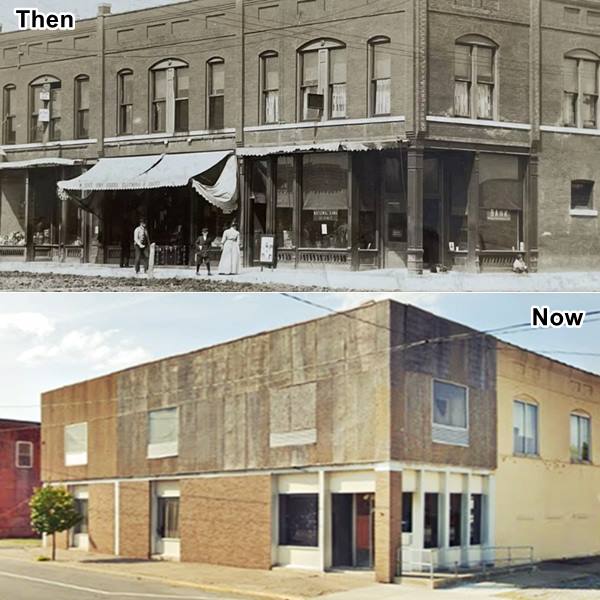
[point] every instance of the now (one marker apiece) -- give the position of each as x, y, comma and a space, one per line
542, 317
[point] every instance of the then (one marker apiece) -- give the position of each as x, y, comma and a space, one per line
30, 18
